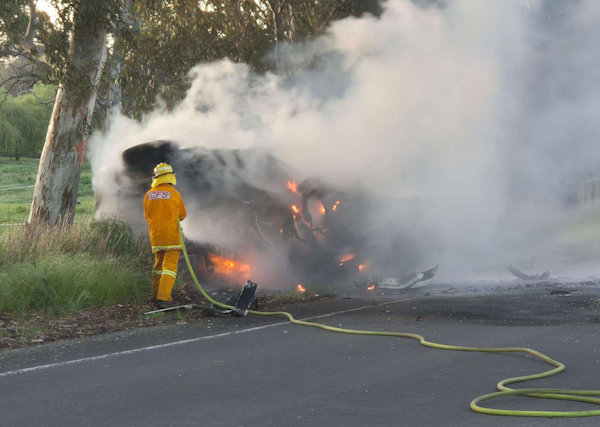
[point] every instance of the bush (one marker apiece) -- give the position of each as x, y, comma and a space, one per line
24, 121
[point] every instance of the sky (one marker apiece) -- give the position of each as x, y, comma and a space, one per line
45, 6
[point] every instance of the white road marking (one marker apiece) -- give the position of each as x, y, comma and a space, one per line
192, 340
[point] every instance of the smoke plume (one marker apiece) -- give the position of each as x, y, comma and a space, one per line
484, 109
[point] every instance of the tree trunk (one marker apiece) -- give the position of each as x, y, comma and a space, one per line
114, 90
276, 10
55, 193
292, 23
115, 97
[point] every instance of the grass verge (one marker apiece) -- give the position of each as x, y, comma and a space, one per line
69, 283
67, 269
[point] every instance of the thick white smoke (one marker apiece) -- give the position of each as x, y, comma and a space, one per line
487, 109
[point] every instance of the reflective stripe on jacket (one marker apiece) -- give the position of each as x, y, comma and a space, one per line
163, 206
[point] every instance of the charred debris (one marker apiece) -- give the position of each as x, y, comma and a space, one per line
530, 277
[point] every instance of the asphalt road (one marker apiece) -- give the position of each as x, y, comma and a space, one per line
266, 372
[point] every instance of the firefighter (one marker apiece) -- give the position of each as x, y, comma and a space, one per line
163, 208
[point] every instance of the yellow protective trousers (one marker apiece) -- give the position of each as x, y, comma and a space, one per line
164, 274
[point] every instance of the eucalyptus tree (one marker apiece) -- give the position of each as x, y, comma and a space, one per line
170, 37
72, 51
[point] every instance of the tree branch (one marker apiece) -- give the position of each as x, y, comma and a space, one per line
272, 7
41, 101
28, 47
31, 27
23, 72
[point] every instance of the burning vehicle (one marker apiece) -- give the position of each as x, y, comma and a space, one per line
249, 217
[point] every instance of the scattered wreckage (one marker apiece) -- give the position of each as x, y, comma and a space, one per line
532, 277
414, 280
248, 217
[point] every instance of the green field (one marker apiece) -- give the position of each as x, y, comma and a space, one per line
16, 190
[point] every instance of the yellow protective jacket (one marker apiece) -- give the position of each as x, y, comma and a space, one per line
163, 206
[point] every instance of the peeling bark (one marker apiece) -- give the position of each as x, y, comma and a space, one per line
55, 193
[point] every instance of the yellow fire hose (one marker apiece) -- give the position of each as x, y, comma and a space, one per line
543, 393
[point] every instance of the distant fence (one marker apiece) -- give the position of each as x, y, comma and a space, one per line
11, 155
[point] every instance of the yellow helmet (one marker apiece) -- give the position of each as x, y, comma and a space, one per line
162, 169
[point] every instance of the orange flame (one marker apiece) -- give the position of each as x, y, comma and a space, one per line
295, 209
364, 267
371, 287
320, 207
335, 205
230, 267
345, 258
300, 288
292, 186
